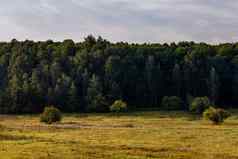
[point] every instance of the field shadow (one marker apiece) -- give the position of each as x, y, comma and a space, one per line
14, 137
75, 125
158, 114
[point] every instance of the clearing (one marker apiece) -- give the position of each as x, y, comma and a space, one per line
139, 135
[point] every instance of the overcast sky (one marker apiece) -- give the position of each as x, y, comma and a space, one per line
210, 21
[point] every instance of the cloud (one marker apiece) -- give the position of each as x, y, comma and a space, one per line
120, 20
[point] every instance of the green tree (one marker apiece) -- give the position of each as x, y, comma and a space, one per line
214, 86
177, 79
95, 98
73, 102
15, 87
151, 80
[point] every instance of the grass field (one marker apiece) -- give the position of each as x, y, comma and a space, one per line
142, 135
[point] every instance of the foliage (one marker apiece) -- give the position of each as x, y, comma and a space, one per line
199, 104
214, 85
217, 116
50, 115
73, 103
118, 106
34, 74
171, 103
96, 100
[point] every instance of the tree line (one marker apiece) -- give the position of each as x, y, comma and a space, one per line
92, 74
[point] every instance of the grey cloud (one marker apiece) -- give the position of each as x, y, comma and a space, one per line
120, 20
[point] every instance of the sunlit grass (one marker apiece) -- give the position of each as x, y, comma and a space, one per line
142, 135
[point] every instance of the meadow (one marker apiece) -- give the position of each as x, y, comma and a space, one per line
138, 135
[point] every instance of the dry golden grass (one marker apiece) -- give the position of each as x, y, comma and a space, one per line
142, 135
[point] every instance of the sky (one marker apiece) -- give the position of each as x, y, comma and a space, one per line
139, 21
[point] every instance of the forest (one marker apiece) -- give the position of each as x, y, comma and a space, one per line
89, 76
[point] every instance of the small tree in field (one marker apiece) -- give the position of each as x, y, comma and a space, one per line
50, 115
199, 104
217, 116
118, 106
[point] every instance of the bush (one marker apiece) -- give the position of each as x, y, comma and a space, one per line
171, 103
199, 104
51, 115
217, 116
118, 106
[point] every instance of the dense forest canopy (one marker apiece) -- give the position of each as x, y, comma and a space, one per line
90, 75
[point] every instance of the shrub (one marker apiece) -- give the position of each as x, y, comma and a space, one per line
199, 104
118, 106
217, 116
171, 103
50, 115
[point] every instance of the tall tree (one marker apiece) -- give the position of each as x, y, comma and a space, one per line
177, 79
95, 98
151, 80
73, 101
214, 85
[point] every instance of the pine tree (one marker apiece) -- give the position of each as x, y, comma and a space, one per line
159, 83
151, 79
214, 85
177, 80
73, 102
95, 99
15, 87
